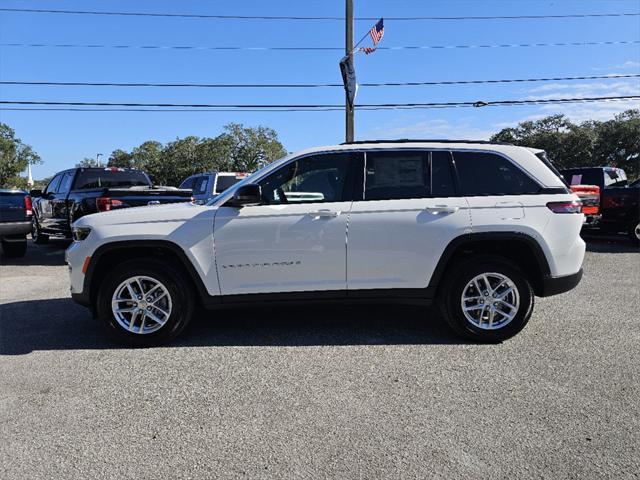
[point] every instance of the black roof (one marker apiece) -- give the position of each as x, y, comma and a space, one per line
418, 140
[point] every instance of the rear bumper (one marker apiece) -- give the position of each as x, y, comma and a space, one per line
15, 228
556, 285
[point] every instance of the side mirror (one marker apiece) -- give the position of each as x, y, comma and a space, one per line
249, 194
35, 193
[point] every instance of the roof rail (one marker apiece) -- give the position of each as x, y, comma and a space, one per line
417, 140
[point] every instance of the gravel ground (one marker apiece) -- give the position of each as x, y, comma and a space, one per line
322, 393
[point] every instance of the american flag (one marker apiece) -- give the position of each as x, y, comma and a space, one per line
376, 33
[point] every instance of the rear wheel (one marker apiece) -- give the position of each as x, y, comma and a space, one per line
15, 248
36, 234
487, 299
145, 303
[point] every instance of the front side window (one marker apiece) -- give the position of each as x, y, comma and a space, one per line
53, 184
188, 183
314, 179
484, 173
226, 181
397, 175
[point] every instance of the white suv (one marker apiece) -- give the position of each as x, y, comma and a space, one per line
479, 227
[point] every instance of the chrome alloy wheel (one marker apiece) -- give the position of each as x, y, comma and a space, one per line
637, 231
141, 305
490, 301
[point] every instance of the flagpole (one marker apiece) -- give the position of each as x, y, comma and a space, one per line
349, 112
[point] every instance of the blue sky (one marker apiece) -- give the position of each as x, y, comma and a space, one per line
63, 138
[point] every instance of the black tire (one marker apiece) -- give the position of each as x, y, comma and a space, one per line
633, 231
178, 289
458, 278
36, 234
14, 249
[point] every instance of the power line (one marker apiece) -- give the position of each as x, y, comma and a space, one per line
287, 107
313, 18
310, 48
314, 85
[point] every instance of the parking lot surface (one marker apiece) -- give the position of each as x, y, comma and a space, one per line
376, 392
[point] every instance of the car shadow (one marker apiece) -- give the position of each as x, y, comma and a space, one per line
609, 243
50, 254
60, 324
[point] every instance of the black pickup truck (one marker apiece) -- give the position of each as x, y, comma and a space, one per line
15, 221
77, 192
619, 201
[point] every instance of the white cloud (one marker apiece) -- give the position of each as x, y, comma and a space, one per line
432, 129
624, 66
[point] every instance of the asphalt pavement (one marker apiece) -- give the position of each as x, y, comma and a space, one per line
358, 392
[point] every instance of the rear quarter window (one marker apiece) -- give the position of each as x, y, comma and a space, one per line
484, 173
88, 179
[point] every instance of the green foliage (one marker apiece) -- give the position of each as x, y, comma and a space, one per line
615, 142
238, 148
87, 162
14, 158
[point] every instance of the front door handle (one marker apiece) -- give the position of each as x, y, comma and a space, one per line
324, 214
442, 209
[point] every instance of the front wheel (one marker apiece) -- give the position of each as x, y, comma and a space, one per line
145, 303
487, 299
36, 234
634, 232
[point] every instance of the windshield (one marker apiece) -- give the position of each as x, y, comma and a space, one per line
245, 180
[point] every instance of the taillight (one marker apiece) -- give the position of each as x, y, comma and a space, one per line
565, 207
28, 206
104, 204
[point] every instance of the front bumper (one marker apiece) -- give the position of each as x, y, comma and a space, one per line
556, 285
14, 228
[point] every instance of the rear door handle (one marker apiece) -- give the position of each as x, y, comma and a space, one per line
442, 209
323, 214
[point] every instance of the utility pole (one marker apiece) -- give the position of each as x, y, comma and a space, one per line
349, 113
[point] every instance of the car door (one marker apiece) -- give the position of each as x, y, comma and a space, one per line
45, 211
408, 214
501, 196
59, 206
295, 240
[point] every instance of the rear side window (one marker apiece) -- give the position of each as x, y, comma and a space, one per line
226, 181
483, 173
110, 179
397, 175
200, 185
442, 184
65, 183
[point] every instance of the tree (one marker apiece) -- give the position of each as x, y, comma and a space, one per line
238, 148
615, 142
15, 156
87, 162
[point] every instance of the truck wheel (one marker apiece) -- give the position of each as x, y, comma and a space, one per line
486, 299
145, 302
14, 249
634, 233
37, 236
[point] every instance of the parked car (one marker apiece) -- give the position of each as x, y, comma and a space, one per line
15, 221
206, 186
74, 193
480, 228
619, 202
589, 195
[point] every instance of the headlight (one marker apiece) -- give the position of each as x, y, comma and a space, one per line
80, 233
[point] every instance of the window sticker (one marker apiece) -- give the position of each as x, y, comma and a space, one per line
576, 179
